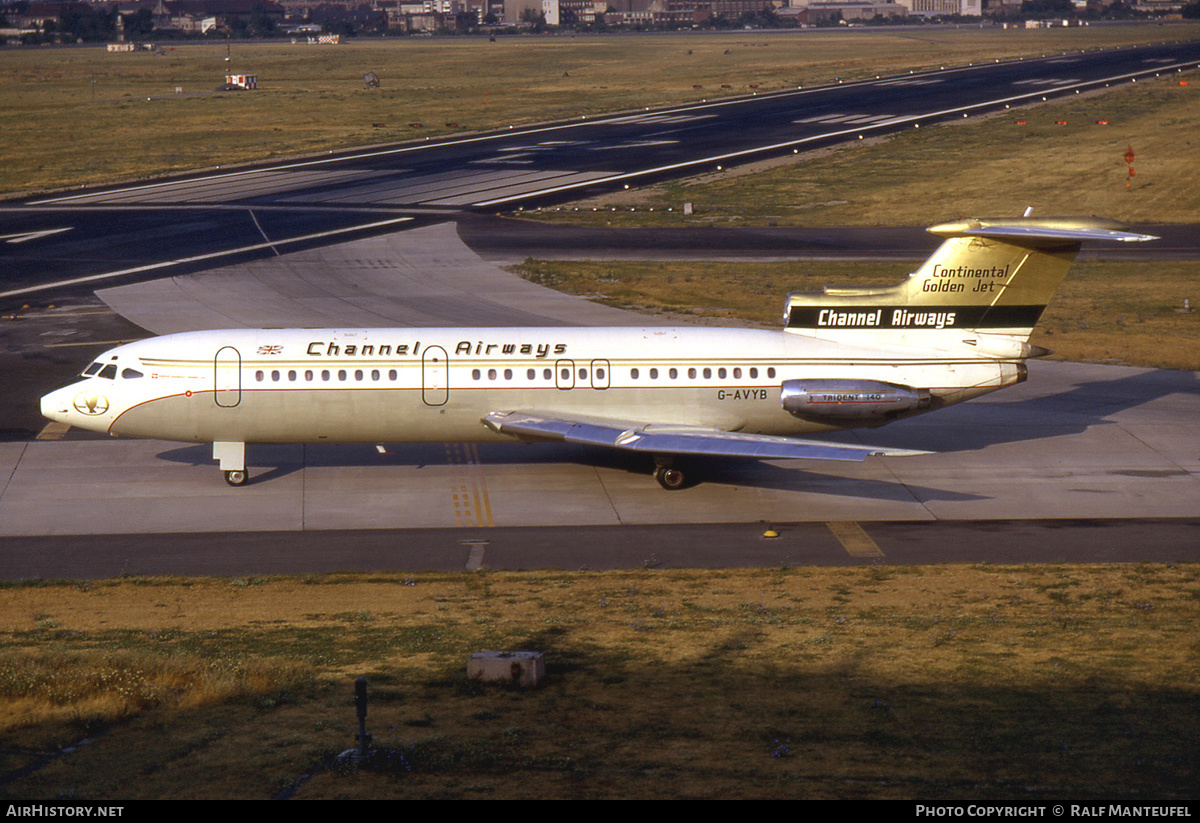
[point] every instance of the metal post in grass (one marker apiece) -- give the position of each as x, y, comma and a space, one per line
360, 705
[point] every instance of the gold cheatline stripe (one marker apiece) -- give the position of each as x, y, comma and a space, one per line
854, 540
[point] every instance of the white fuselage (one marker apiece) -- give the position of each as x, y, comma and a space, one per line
434, 385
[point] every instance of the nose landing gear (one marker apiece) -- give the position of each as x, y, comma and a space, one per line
232, 457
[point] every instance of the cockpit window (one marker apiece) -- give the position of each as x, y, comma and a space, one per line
130, 374
109, 371
92, 369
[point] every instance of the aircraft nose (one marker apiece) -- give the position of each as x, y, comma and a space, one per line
56, 405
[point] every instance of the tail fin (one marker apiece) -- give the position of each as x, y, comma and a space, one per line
993, 277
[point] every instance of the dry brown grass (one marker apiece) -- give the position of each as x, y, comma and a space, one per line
939, 682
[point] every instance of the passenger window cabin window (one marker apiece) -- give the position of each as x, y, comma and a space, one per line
737, 373
654, 374
508, 374
292, 375
692, 373
599, 374
707, 374
259, 376
341, 374
721, 374
547, 374
325, 374
491, 374
770, 371
753, 373
308, 375
531, 374
475, 374
391, 374
375, 374
275, 376
674, 374
633, 373
358, 374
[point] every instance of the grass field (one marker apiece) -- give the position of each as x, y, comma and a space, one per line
78, 116
949, 682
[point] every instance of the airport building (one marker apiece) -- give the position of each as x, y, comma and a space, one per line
199, 16
964, 8
830, 12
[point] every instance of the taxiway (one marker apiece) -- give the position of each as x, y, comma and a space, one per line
1078, 451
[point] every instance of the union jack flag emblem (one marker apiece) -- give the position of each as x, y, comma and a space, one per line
270, 349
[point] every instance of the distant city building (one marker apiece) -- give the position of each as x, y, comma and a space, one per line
964, 8
1159, 7
683, 12
199, 16
526, 11
1002, 8
35, 17
572, 12
833, 11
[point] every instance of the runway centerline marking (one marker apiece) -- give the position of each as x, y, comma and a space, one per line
23, 237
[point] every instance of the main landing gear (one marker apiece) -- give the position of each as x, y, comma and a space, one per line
669, 476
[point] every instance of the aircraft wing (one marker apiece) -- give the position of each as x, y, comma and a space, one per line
672, 439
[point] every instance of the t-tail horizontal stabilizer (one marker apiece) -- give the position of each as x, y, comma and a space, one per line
993, 276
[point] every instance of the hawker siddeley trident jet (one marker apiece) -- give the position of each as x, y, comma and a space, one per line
957, 328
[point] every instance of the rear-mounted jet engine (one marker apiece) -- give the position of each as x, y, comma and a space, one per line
850, 402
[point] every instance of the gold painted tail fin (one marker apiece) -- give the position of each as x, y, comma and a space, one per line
993, 276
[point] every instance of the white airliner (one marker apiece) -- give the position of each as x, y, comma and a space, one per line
957, 328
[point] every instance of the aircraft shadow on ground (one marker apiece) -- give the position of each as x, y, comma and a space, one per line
269, 463
966, 428
979, 424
